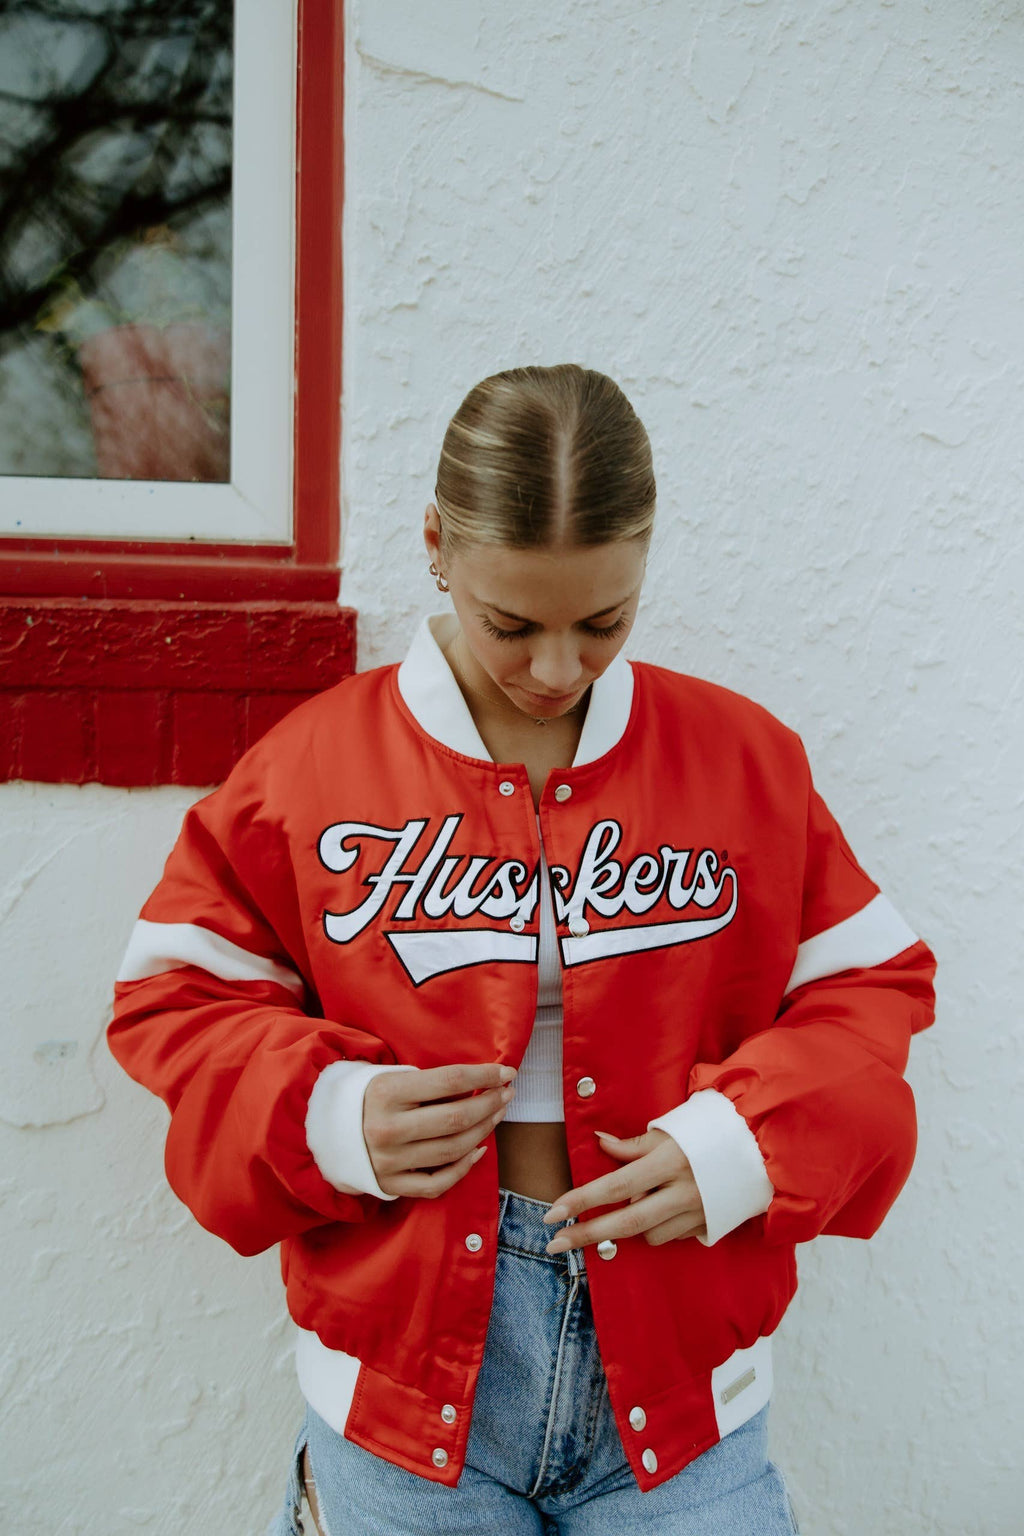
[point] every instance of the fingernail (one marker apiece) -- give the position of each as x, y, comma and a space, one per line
478, 1154
507, 1074
556, 1213
609, 1134
557, 1245
508, 1092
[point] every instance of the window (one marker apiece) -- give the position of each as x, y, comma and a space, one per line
170, 365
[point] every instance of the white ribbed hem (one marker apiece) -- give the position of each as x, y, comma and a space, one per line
740, 1386
725, 1158
334, 1126
327, 1378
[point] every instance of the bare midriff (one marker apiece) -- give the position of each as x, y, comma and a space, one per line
533, 1158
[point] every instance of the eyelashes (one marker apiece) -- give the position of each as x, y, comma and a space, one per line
607, 632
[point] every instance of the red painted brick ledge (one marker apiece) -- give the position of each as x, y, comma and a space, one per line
137, 693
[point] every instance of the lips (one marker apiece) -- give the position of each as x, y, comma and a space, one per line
549, 700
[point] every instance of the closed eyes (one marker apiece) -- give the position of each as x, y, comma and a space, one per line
604, 631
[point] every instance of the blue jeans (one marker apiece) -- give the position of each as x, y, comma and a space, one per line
544, 1452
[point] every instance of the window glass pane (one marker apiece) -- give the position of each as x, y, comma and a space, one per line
115, 239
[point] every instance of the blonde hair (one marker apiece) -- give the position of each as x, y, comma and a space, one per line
545, 456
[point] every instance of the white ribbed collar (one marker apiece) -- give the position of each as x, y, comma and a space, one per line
428, 686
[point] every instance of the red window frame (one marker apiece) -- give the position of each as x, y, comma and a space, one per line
145, 663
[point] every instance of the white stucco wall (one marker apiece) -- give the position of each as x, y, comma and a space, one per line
792, 231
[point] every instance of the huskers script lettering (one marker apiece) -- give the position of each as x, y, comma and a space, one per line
422, 881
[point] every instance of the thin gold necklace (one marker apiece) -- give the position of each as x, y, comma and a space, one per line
463, 682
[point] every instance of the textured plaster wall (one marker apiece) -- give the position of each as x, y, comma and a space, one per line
792, 231
146, 1379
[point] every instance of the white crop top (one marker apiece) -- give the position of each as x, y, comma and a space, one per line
538, 1094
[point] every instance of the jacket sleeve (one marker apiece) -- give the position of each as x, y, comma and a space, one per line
811, 1122
215, 1012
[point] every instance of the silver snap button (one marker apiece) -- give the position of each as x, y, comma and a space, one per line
563, 792
586, 1087
517, 924
578, 927
474, 1242
449, 1415
506, 787
637, 1419
607, 1249
649, 1460
439, 1456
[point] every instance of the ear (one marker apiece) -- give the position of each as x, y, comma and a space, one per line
432, 534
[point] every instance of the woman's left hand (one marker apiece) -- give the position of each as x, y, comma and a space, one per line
664, 1201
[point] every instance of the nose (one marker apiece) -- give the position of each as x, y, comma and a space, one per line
555, 664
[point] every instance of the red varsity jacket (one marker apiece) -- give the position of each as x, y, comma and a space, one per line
362, 892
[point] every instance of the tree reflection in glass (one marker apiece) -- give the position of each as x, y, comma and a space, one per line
115, 238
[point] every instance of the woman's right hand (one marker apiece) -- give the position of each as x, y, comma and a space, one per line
423, 1127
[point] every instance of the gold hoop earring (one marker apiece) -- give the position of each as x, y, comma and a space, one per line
439, 580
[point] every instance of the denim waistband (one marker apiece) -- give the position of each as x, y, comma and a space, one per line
521, 1230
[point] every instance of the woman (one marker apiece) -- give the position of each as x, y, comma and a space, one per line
536, 1004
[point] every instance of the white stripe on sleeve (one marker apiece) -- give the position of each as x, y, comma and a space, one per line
157, 947
870, 937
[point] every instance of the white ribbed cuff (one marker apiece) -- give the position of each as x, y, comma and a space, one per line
726, 1161
334, 1126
